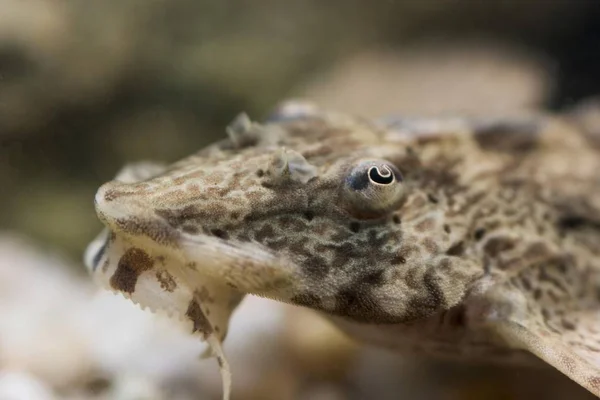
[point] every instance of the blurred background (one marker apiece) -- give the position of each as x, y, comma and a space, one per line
87, 86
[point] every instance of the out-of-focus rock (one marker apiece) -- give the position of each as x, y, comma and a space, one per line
76, 63
434, 78
257, 354
38, 333
58, 330
324, 392
586, 115
22, 386
52, 56
317, 347
381, 374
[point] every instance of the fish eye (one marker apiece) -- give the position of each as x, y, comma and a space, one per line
381, 175
373, 187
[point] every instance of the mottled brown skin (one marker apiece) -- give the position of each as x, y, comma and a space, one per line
134, 262
491, 248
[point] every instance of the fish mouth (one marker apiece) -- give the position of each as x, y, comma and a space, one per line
248, 267
95, 250
244, 266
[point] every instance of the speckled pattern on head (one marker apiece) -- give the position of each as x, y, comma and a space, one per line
464, 238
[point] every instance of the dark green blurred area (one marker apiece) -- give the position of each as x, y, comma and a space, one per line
86, 86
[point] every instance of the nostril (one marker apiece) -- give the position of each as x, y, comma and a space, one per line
106, 193
100, 196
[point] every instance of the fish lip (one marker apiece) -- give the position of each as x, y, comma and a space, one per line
95, 250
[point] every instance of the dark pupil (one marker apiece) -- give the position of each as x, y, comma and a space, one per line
376, 176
